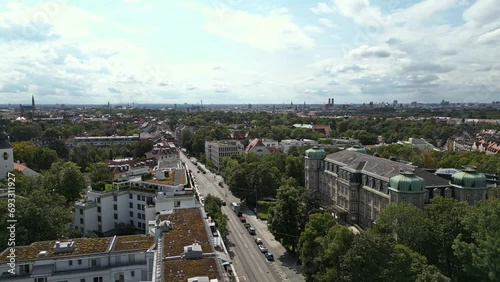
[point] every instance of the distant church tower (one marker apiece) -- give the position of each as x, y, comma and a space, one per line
33, 101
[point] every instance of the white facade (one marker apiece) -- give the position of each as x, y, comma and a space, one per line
216, 151
270, 143
134, 202
108, 265
102, 140
286, 144
6, 159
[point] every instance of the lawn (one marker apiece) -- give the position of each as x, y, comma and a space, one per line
263, 209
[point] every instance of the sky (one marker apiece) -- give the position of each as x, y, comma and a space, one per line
259, 52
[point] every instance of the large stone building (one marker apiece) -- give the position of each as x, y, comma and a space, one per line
357, 186
216, 151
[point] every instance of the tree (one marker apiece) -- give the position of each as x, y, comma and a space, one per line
430, 273
142, 147
40, 216
84, 155
286, 216
100, 172
404, 224
309, 247
43, 158
60, 147
446, 216
404, 265
24, 151
479, 245
67, 179
367, 259
125, 229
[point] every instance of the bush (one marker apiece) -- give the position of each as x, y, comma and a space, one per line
263, 209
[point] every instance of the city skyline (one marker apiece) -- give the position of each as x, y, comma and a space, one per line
234, 52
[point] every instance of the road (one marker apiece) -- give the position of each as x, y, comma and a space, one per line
249, 263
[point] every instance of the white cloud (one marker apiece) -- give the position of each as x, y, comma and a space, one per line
270, 33
313, 29
323, 8
326, 22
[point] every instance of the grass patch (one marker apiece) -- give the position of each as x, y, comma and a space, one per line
263, 209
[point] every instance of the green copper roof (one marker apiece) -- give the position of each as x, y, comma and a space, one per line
315, 153
469, 178
358, 149
407, 182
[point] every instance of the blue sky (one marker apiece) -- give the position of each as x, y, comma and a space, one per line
236, 51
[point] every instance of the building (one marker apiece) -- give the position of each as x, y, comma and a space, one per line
165, 153
285, 144
216, 151
419, 143
102, 141
6, 155
357, 186
134, 201
124, 169
257, 147
123, 258
25, 109
269, 143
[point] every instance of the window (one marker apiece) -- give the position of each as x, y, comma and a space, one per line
81, 211
114, 198
99, 200
131, 258
130, 196
98, 209
99, 228
43, 279
98, 279
132, 222
98, 218
132, 273
115, 216
116, 224
131, 205
82, 279
131, 214
138, 215
143, 198
138, 198
138, 206
81, 220
142, 207
70, 263
93, 263
177, 204
143, 216
115, 207
79, 261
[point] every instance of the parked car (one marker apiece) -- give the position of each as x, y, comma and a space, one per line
269, 256
263, 248
224, 203
243, 219
240, 214
258, 241
246, 225
251, 230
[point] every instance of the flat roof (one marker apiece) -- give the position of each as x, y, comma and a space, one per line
181, 270
188, 228
133, 242
83, 246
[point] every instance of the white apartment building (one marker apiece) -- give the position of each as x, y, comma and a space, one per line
135, 201
102, 141
287, 143
216, 151
108, 259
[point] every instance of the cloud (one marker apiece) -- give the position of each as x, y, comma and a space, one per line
114, 90
326, 22
323, 8
267, 32
482, 12
369, 51
313, 29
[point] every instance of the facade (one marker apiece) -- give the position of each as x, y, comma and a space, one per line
216, 151
102, 141
356, 186
165, 153
287, 143
6, 155
257, 147
270, 143
108, 259
134, 201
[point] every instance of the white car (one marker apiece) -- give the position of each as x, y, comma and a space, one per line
263, 248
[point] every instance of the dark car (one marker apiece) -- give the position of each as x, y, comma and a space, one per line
224, 203
269, 256
246, 225
251, 230
239, 214
243, 219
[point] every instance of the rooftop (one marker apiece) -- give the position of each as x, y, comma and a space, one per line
188, 228
181, 270
132, 242
175, 177
83, 246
